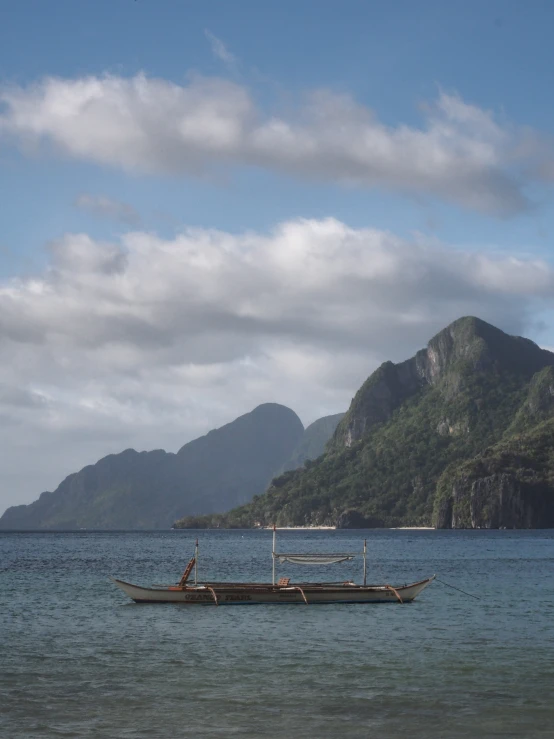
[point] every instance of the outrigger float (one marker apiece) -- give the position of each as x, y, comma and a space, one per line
282, 591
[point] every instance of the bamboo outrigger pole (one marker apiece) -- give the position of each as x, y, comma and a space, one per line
196, 563
273, 556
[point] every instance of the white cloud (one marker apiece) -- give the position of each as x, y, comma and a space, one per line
150, 342
140, 124
103, 207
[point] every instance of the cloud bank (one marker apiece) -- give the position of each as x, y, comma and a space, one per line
150, 342
460, 153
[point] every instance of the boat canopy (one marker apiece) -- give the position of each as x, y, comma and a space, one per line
313, 558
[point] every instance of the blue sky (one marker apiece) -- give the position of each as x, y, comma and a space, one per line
399, 156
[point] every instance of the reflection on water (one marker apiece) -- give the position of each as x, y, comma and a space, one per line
79, 660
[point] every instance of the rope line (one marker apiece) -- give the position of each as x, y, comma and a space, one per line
458, 589
395, 591
214, 594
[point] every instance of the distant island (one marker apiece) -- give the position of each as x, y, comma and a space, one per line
459, 436
149, 490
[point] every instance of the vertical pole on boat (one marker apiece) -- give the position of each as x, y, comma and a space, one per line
273, 555
365, 562
196, 563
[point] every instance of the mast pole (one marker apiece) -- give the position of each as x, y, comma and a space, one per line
273, 556
196, 563
365, 562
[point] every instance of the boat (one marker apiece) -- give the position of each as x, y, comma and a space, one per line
280, 591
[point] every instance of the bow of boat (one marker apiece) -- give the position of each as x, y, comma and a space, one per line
136, 592
411, 591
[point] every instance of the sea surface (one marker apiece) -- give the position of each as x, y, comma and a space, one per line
78, 659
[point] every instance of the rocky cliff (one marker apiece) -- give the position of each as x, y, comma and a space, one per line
508, 485
464, 348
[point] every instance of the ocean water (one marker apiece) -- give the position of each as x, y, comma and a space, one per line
77, 659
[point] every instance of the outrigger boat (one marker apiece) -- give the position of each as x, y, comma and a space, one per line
282, 591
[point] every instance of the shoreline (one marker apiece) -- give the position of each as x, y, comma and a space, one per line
300, 528
333, 528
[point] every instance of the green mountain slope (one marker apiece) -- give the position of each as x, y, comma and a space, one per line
511, 483
223, 469
417, 428
313, 442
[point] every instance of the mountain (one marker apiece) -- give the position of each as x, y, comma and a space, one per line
460, 435
313, 441
135, 490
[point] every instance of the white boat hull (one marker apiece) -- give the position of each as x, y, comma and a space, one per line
251, 594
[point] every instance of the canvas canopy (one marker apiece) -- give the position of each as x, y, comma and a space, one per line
313, 558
